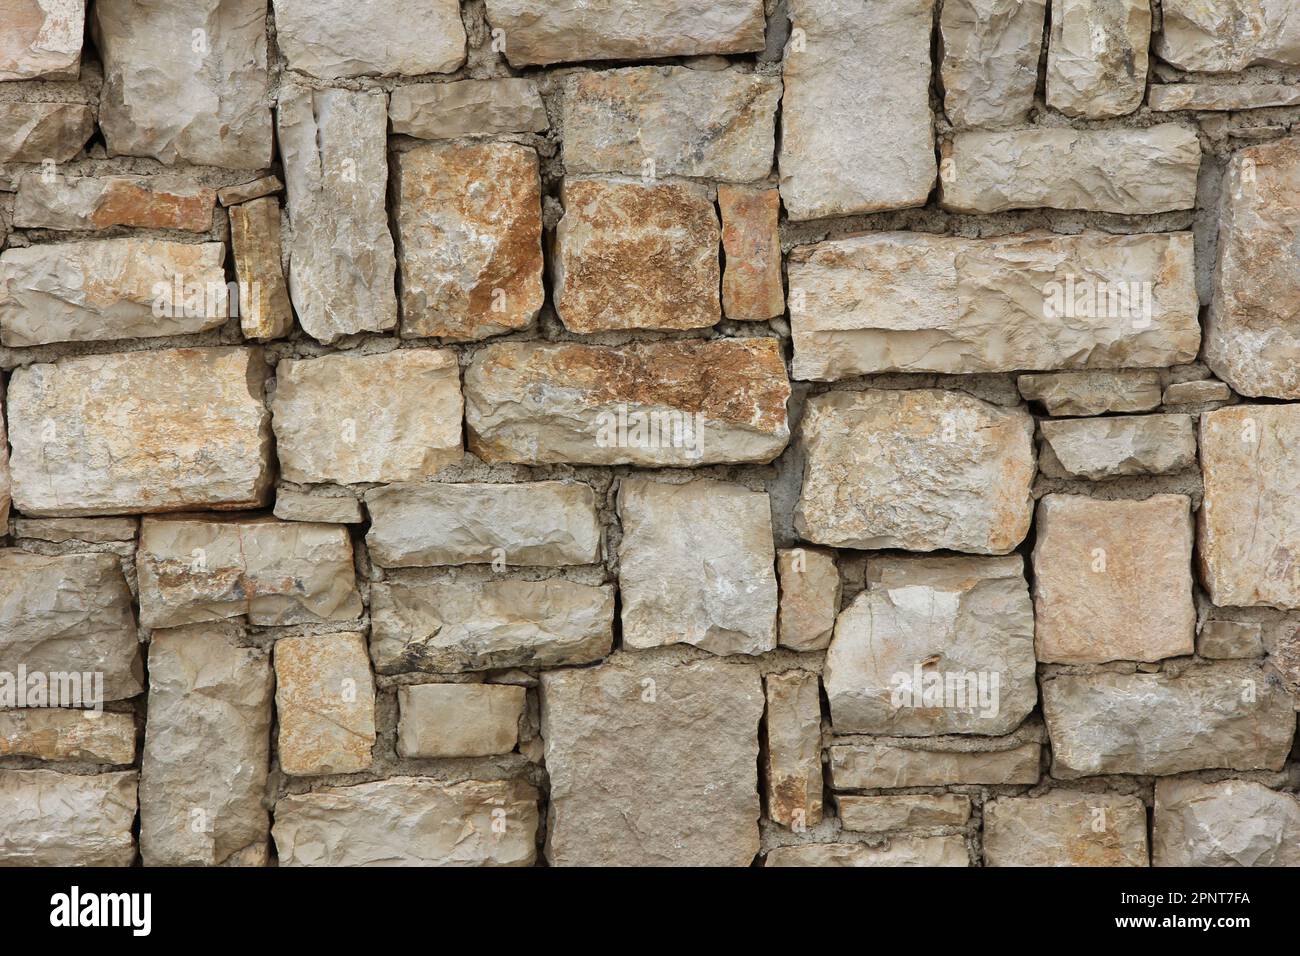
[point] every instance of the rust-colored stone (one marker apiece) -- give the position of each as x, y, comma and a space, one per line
751, 283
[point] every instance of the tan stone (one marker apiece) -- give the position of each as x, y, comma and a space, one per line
264, 310
903, 850
891, 762
1229, 35
1061, 828
5, 483
99, 202
467, 108
1093, 392
329, 509
792, 764
810, 597
882, 814
246, 192
35, 132
458, 720
989, 52
93, 530
1097, 57
1193, 393
325, 702
1225, 824
58, 819
1225, 640
751, 241
339, 38
42, 39
1097, 448
59, 734
1171, 97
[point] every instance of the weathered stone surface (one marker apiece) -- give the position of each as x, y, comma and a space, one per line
933, 762
42, 38
476, 625
671, 121
337, 38
636, 255
458, 720
1252, 336
35, 132
59, 734
325, 703
1170, 97
185, 80
1132, 445
1248, 529
139, 432
206, 750
792, 752
333, 144
264, 310
467, 108
57, 819
98, 202
469, 239
1192, 393
887, 160
94, 530
1097, 57
911, 302
1112, 579
1227, 36
329, 509
410, 821
881, 814
1093, 393
1225, 640
1061, 828
1130, 171
543, 523
69, 615
695, 566
652, 762
1230, 823
934, 646
106, 289
751, 241
575, 30
810, 597
675, 403
900, 850
919, 470
246, 192
350, 418
5, 489
989, 59
1227, 714
194, 570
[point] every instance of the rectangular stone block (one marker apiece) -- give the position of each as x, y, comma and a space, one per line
1061, 828
1227, 640
792, 765
458, 720
1172, 97
94, 530
264, 309
1195, 393
934, 762
58, 819
61, 734
331, 39
988, 65
810, 597
246, 192
42, 39
882, 814
752, 288
1094, 392
1225, 824
99, 202
1097, 57
467, 108
325, 704
1099, 448
35, 132
899, 851
328, 509
1229, 35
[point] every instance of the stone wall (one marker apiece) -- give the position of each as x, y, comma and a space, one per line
595, 432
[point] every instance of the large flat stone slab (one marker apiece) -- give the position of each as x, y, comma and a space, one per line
1062, 828
892, 762
98, 202
42, 40
1224, 824
1229, 35
56, 819
331, 39
988, 64
1097, 57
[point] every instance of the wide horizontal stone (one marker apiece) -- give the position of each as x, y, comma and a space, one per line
1096, 448
35, 132
245, 192
410, 821
449, 626
105, 289
67, 618
889, 763
140, 431
1093, 392
752, 289
1193, 393
1226, 714
1129, 171
1228, 36
43, 39
99, 202
912, 302
325, 704
94, 530
672, 403
671, 121
934, 646
264, 309
572, 30
195, 569
458, 720
810, 597
58, 819
467, 108
329, 509
351, 418
469, 239
902, 850
337, 38
921, 470
1061, 828
1224, 824
792, 752
1227, 640
1097, 57
881, 814
60, 734
1171, 97
989, 52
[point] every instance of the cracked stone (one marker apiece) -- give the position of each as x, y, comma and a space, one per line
61, 734
1097, 57
35, 132
325, 703
1096, 448
1230, 35
989, 52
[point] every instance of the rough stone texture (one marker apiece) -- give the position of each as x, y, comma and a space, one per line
245, 192
1094, 393
264, 310
636, 255
99, 202
341, 263
459, 720
1061, 828
325, 703
575, 30
671, 121
686, 402
195, 570
751, 240
1230, 823
467, 108
934, 646
1191, 393
921, 470
652, 763
108, 289
42, 39
368, 418
1098, 448
1131, 171
882, 814
1226, 714
339, 38
911, 302
1248, 530
410, 821
5, 483
1097, 57
543, 523
295, 506
57, 819
1171, 97
59, 734
1230, 35
903, 850
69, 615
206, 750
695, 566
185, 80
469, 239
1225, 640
35, 132
810, 597
94, 530
989, 52
792, 766
934, 762
887, 162
477, 625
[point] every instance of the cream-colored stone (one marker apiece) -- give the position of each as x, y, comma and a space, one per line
58, 819
1193, 393
458, 720
42, 39
1093, 392
1097, 57
331, 39
35, 132
1062, 828
888, 763
810, 597
328, 509
1225, 824
467, 108
325, 703
93, 530
1228, 35
1227, 640
882, 814
902, 850
98, 202
1171, 97
1097, 448
989, 52
246, 192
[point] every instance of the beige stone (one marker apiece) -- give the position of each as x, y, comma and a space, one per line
42, 39
1093, 392
1096, 448
264, 309
1229, 35
792, 751
467, 108
246, 192
810, 597
329, 509
1225, 640
5, 483
882, 814
99, 202
1097, 57
1171, 97
60, 734
751, 240
888, 763
93, 530
325, 702
35, 132
1192, 393
988, 65
1061, 828
458, 720
331, 39
1226, 824
57, 819
902, 850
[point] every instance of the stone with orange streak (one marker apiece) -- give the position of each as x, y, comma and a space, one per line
793, 749
1065, 828
264, 310
751, 281
41, 38
99, 202
810, 597
325, 701
36, 132
56, 733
